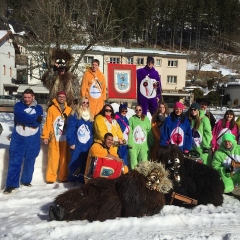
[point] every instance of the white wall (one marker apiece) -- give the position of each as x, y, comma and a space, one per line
7, 58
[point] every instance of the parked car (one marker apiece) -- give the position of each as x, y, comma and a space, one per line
7, 100
17, 96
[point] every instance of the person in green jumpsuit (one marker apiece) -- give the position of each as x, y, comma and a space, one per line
227, 153
201, 132
140, 137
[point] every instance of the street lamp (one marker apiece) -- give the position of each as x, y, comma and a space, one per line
222, 86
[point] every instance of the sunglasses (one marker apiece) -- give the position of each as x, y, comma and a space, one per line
108, 110
138, 110
193, 109
125, 111
85, 102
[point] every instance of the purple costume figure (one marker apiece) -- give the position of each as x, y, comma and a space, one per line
149, 87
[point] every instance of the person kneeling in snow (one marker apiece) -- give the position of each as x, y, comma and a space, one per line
101, 150
225, 160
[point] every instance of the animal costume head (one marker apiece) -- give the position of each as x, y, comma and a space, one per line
61, 61
157, 176
62, 57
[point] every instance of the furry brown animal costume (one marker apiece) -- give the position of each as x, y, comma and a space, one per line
191, 179
135, 194
68, 82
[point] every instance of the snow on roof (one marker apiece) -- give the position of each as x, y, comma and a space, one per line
129, 50
3, 33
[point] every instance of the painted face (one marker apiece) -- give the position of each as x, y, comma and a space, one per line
227, 144
95, 67
194, 111
162, 109
85, 104
178, 111
138, 111
28, 98
61, 98
109, 141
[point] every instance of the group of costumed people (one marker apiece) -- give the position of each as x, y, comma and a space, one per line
86, 128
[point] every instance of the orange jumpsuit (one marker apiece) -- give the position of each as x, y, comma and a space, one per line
58, 152
94, 88
97, 150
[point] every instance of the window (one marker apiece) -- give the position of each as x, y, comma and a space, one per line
130, 60
114, 60
158, 62
171, 79
172, 63
88, 59
4, 69
140, 61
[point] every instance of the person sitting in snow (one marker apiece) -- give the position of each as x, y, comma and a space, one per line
224, 161
25, 141
102, 150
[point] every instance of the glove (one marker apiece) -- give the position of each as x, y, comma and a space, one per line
229, 169
39, 118
185, 151
205, 150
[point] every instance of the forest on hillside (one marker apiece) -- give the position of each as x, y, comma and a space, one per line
175, 24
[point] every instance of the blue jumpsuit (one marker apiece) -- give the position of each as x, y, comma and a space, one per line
79, 133
25, 143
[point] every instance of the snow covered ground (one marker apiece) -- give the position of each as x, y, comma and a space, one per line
24, 213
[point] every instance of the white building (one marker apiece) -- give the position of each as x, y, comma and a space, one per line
7, 63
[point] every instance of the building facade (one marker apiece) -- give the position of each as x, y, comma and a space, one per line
7, 63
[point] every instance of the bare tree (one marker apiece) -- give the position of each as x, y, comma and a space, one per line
68, 24
205, 50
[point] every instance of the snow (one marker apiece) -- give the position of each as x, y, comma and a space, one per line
212, 67
24, 213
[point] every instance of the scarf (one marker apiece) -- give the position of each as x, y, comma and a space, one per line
109, 118
86, 115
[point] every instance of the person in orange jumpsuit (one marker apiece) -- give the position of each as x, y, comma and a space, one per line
54, 134
101, 150
93, 87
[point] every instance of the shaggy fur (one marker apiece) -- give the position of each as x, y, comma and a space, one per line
137, 200
67, 82
197, 181
97, 200
127, 196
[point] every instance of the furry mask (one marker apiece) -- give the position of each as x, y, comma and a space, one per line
157, 176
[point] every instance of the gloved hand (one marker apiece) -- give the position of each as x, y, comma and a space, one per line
229, 169
39, 118
205, 150
185, 151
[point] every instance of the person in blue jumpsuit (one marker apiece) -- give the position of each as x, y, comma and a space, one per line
25, 141
80, 138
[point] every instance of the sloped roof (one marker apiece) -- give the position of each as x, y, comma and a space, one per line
4, 34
